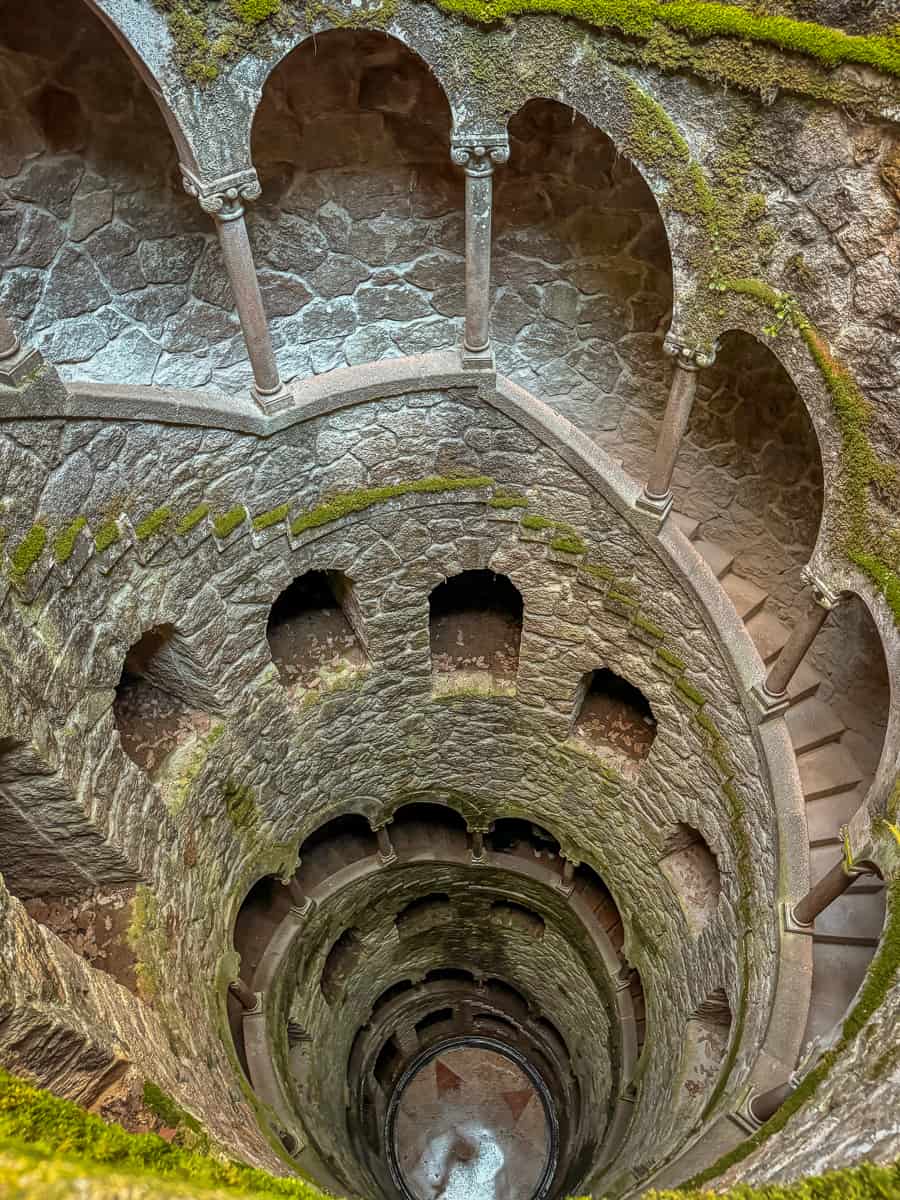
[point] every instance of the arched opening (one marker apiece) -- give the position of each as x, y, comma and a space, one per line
750, 472
101, 243
510, 915
583, 275
691, 868
340, 963
512, 835
592, 891
706, 1045
400, 988
615, 718
315, 633
336, 844
359, 237
424, 913
158, 726
476, 628
431, 829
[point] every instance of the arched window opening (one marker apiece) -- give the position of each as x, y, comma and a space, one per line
593, 892
511, 835
434, 829
583, 329
615, 718
476, 628
508, 998
450, 975
360, 243
336, 844
440, 1016
315, 633
159, 728
342, 960
691, 868
387, 1065
706, 1045
390, 994
427, 912
516, 916
639, 1005
264, 908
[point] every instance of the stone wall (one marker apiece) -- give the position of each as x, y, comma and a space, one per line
366, 746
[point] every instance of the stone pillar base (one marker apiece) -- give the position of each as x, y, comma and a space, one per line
790, 925
274, 402
768, 706
658, 506
478, 360
16, 369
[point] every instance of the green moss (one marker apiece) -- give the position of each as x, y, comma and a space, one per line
648, 626
508, 502
164, 1107
107, 535
152, 524
192, 519
35, 1125
228, 522
670, 659
141, 936
535, 522
240, 806
687, 689
28, 551
352, 502
598, 571
64, 542
617, 596
569, 543
251, 12
272, 517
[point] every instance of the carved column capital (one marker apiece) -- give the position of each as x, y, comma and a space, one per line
825, 596
479, 157
223, 198
689, 358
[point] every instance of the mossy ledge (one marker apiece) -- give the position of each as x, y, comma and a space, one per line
35, 1126
209, 34
880, 978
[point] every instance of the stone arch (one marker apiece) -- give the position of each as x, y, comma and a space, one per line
614, 716
706, 1040
475, 620
582, 271
750, 468
358, 237
693, 871
316, 633
99, 204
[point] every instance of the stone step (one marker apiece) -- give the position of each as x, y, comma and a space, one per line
812, 723
717, 557
838, 970
768, 633
825, 816
827, 770
805, 683
687, 525
746, 597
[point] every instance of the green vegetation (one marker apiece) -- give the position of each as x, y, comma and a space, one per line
64, 542
152, 524
346, 503
881, 977
228, 522
641, 622
26, 554
866, 1182
272, 517
162, 1105
142, 934
36, 1126
501, 501
240, 806
251, 12
569, 543
107, 535
867, 490
190, 520
535, 522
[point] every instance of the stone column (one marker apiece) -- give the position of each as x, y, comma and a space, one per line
479, 159
386, 852
223, 200
301, 903
824, 893
249, 1000
657, 494
567, 882
771, 695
